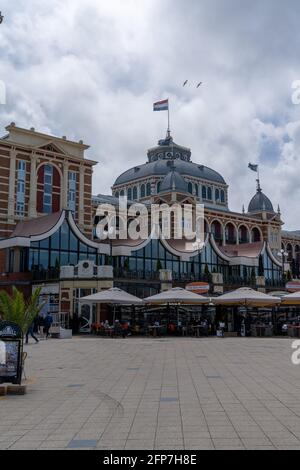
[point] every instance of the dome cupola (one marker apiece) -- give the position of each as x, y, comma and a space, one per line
260, 202
173, 182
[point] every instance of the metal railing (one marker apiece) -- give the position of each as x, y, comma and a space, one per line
146, 275
51, 274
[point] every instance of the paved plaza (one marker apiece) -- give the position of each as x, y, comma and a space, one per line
140, 393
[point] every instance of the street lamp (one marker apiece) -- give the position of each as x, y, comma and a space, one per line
111, 233
282, 254
1, 17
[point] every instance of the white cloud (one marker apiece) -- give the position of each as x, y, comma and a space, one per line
93, 69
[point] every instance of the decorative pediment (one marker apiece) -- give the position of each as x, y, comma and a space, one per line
51, 147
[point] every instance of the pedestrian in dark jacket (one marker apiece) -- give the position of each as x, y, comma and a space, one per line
31, 333
48, 322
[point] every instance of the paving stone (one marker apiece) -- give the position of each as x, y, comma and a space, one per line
149, 394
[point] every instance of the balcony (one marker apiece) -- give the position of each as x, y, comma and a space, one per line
136, 275
51, 274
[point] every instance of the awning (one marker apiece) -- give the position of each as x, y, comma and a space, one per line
177, 296
113, 296
291, 299
245, 296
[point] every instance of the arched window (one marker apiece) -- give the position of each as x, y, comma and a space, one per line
217, 195
135, 193
209, 194
217, 230
243, 234
117, 194
190, 188
143, 190
255, 235
230, 234
197, 190
289, 250
204, 192
129, 193
222, 196
158, 187
122, 193
148, 189
48, 193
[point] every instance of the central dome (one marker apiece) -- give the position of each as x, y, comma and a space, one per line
160, 161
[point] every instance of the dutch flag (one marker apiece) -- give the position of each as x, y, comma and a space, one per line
161, 106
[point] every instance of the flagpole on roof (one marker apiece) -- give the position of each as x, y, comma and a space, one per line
168, 131
258, 178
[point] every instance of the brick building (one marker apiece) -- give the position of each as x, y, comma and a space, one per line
41, 174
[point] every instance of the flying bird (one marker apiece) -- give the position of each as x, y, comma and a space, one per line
185, 82
199, 84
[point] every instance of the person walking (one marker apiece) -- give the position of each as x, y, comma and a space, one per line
48, 322
30, 332
41, 325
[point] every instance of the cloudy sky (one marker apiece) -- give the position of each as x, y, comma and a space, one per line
92, 69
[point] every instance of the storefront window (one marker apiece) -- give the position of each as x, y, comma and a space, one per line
61, 249
44, 259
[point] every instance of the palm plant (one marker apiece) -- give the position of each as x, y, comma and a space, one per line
16, 309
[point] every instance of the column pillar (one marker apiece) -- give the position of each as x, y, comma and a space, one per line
81, 197
11, 189
32, 187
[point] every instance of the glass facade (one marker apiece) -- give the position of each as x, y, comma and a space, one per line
144, 263
63, 248
271, 270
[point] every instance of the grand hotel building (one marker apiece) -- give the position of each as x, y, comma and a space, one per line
48, 217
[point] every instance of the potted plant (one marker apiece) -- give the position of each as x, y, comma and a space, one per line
14, 308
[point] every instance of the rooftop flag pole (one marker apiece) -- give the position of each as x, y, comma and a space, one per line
255, 167
169, 132
163, 106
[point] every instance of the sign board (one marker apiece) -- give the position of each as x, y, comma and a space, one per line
198, 287
293, 286
11, 348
